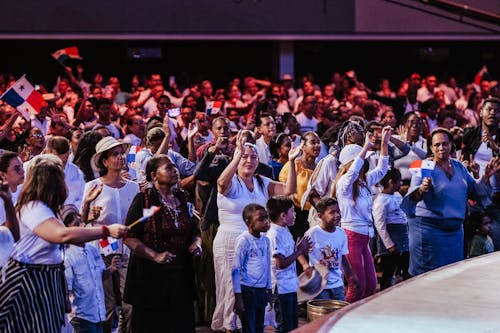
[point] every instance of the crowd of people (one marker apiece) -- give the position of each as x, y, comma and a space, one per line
167, 207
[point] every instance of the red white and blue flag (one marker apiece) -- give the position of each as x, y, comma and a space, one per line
108, 245
23, 96
67, 53
131, 155
213, 107
422, 168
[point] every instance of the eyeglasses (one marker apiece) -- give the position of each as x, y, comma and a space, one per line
37, 135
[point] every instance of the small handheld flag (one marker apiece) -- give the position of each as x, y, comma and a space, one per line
146, 214
213, 107
23, 96
422, 168
108, 245
66, 53
131, 160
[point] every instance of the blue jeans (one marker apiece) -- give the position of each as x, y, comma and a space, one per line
255, 300
287, 318
84, 326
334, 293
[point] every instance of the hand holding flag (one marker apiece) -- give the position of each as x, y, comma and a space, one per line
147, 213
422, 168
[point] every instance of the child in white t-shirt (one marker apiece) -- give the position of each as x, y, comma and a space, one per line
251, 273
329, 247
284, 252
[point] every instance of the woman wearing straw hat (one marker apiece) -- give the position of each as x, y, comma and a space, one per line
160, 280
32, 295
109, 207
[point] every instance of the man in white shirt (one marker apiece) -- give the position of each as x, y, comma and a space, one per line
75, 182
306, 117
267, 128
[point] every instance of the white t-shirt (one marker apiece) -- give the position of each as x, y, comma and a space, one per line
30, 248
115, 203
281, 241
133, 139
75, 182
328, 249
231, 205
14, 197
307, 124
251, 262
263, 151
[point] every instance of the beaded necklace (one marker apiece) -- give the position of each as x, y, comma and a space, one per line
173, 212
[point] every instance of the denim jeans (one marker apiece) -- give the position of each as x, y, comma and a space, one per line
84, 326
255, 300
333, 293
361, 260
286, 310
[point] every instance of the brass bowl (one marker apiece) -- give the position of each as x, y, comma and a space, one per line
320, 307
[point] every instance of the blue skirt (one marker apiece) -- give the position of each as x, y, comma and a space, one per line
434, 243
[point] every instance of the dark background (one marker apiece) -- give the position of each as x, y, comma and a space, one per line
220, 61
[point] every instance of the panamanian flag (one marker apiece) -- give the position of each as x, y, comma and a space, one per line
213, 107
108, 245
23, 96
422, 168
132, 166
67, 53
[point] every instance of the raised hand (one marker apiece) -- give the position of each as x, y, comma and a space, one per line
491, 168
474, 167
295, 151
402, 131
93, 193
369, 138
24, 153
386, 134
240, 141
193, 128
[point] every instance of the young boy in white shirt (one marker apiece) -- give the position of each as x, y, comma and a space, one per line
251, 273
284, 252
329, 247
85, 270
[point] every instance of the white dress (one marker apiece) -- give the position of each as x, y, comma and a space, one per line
231, 226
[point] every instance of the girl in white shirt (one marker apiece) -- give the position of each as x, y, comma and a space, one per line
352, 190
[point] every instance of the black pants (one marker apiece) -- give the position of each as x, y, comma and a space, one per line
391, 264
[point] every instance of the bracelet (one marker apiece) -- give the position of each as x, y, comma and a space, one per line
105, 232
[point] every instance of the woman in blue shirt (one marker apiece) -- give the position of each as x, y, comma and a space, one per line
436, 206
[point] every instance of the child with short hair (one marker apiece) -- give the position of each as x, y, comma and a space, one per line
284, 252
251, 273
392, 230
481, 242
85, 270
329, 248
